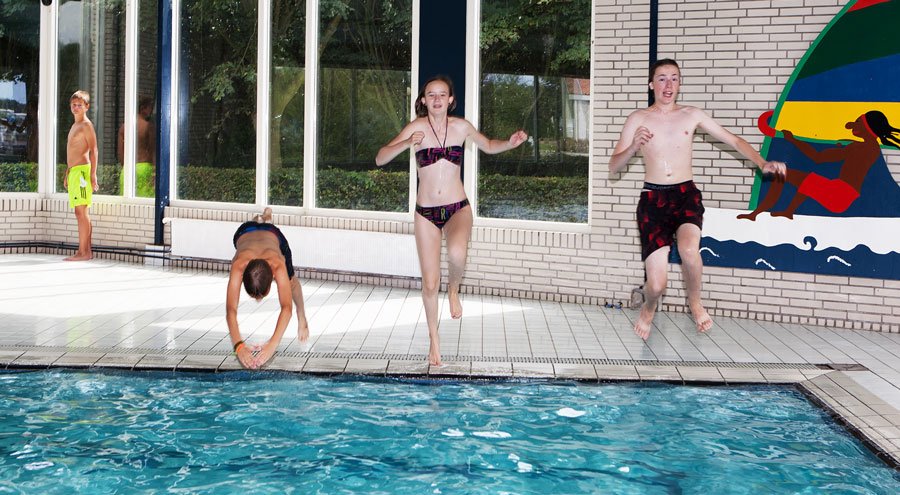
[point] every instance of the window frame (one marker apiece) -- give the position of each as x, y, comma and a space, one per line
49, 122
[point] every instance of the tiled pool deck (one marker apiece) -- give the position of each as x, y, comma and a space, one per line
106, 314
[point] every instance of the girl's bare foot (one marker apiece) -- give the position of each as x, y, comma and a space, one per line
434, 353
455, 304
79, 257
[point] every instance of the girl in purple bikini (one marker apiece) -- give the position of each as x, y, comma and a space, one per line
441, 204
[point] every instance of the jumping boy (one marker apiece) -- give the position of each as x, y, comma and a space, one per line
81, 174
670, 204
263, 254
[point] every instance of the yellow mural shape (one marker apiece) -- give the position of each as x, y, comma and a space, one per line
824, 120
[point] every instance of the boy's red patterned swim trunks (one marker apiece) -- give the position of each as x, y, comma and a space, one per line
662, 209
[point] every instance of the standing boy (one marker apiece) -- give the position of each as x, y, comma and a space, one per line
81, 174
670, 204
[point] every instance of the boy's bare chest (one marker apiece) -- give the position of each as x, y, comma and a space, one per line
671, 129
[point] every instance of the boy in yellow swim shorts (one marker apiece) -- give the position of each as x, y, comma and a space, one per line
81, 175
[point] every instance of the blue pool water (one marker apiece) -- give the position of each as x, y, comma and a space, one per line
78, 432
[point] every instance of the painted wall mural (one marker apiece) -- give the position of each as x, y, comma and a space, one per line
838, 211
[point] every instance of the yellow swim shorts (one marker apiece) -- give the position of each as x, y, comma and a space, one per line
144, 181
80, 189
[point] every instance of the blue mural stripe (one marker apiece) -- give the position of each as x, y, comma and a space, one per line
869, 81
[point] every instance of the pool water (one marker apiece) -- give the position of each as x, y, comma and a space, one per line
96, 432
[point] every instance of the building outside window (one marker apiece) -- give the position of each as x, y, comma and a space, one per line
19, 59
535, 75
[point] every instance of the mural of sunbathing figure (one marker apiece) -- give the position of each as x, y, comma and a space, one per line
836, 195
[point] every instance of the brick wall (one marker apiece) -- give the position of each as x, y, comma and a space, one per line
736, 57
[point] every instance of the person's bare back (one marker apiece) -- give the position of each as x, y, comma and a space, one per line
262, 256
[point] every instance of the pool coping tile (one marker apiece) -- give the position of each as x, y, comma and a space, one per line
533, 370
658, 373
279, 363
325, 365
841, 397
700, 374
742, 375
9, 357
367, 366
80, 359
118, 360
407, 367
37, 359
200, 362
159, 362
492, 369
616, 372
575, 371
454, 369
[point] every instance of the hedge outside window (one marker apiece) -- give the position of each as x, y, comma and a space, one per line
217, 147
19, 62
92, 34
363, 102
535, 62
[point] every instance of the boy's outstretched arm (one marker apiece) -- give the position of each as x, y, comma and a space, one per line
284, 299
232, 297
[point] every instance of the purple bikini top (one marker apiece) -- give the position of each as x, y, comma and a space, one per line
430, 156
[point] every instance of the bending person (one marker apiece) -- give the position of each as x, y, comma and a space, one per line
441, 204
263, 254
670, 205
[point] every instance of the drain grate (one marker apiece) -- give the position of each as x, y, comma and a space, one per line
459, 357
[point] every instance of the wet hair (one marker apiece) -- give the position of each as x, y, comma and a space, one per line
421, 109
81, 95
661, 63
257, 278
878, 124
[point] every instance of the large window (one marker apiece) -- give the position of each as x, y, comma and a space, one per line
535, 62
91, 43
286, 94
363, 102
217, 143
144, 137
19, 47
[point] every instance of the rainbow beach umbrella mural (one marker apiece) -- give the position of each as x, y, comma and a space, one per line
838, 211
